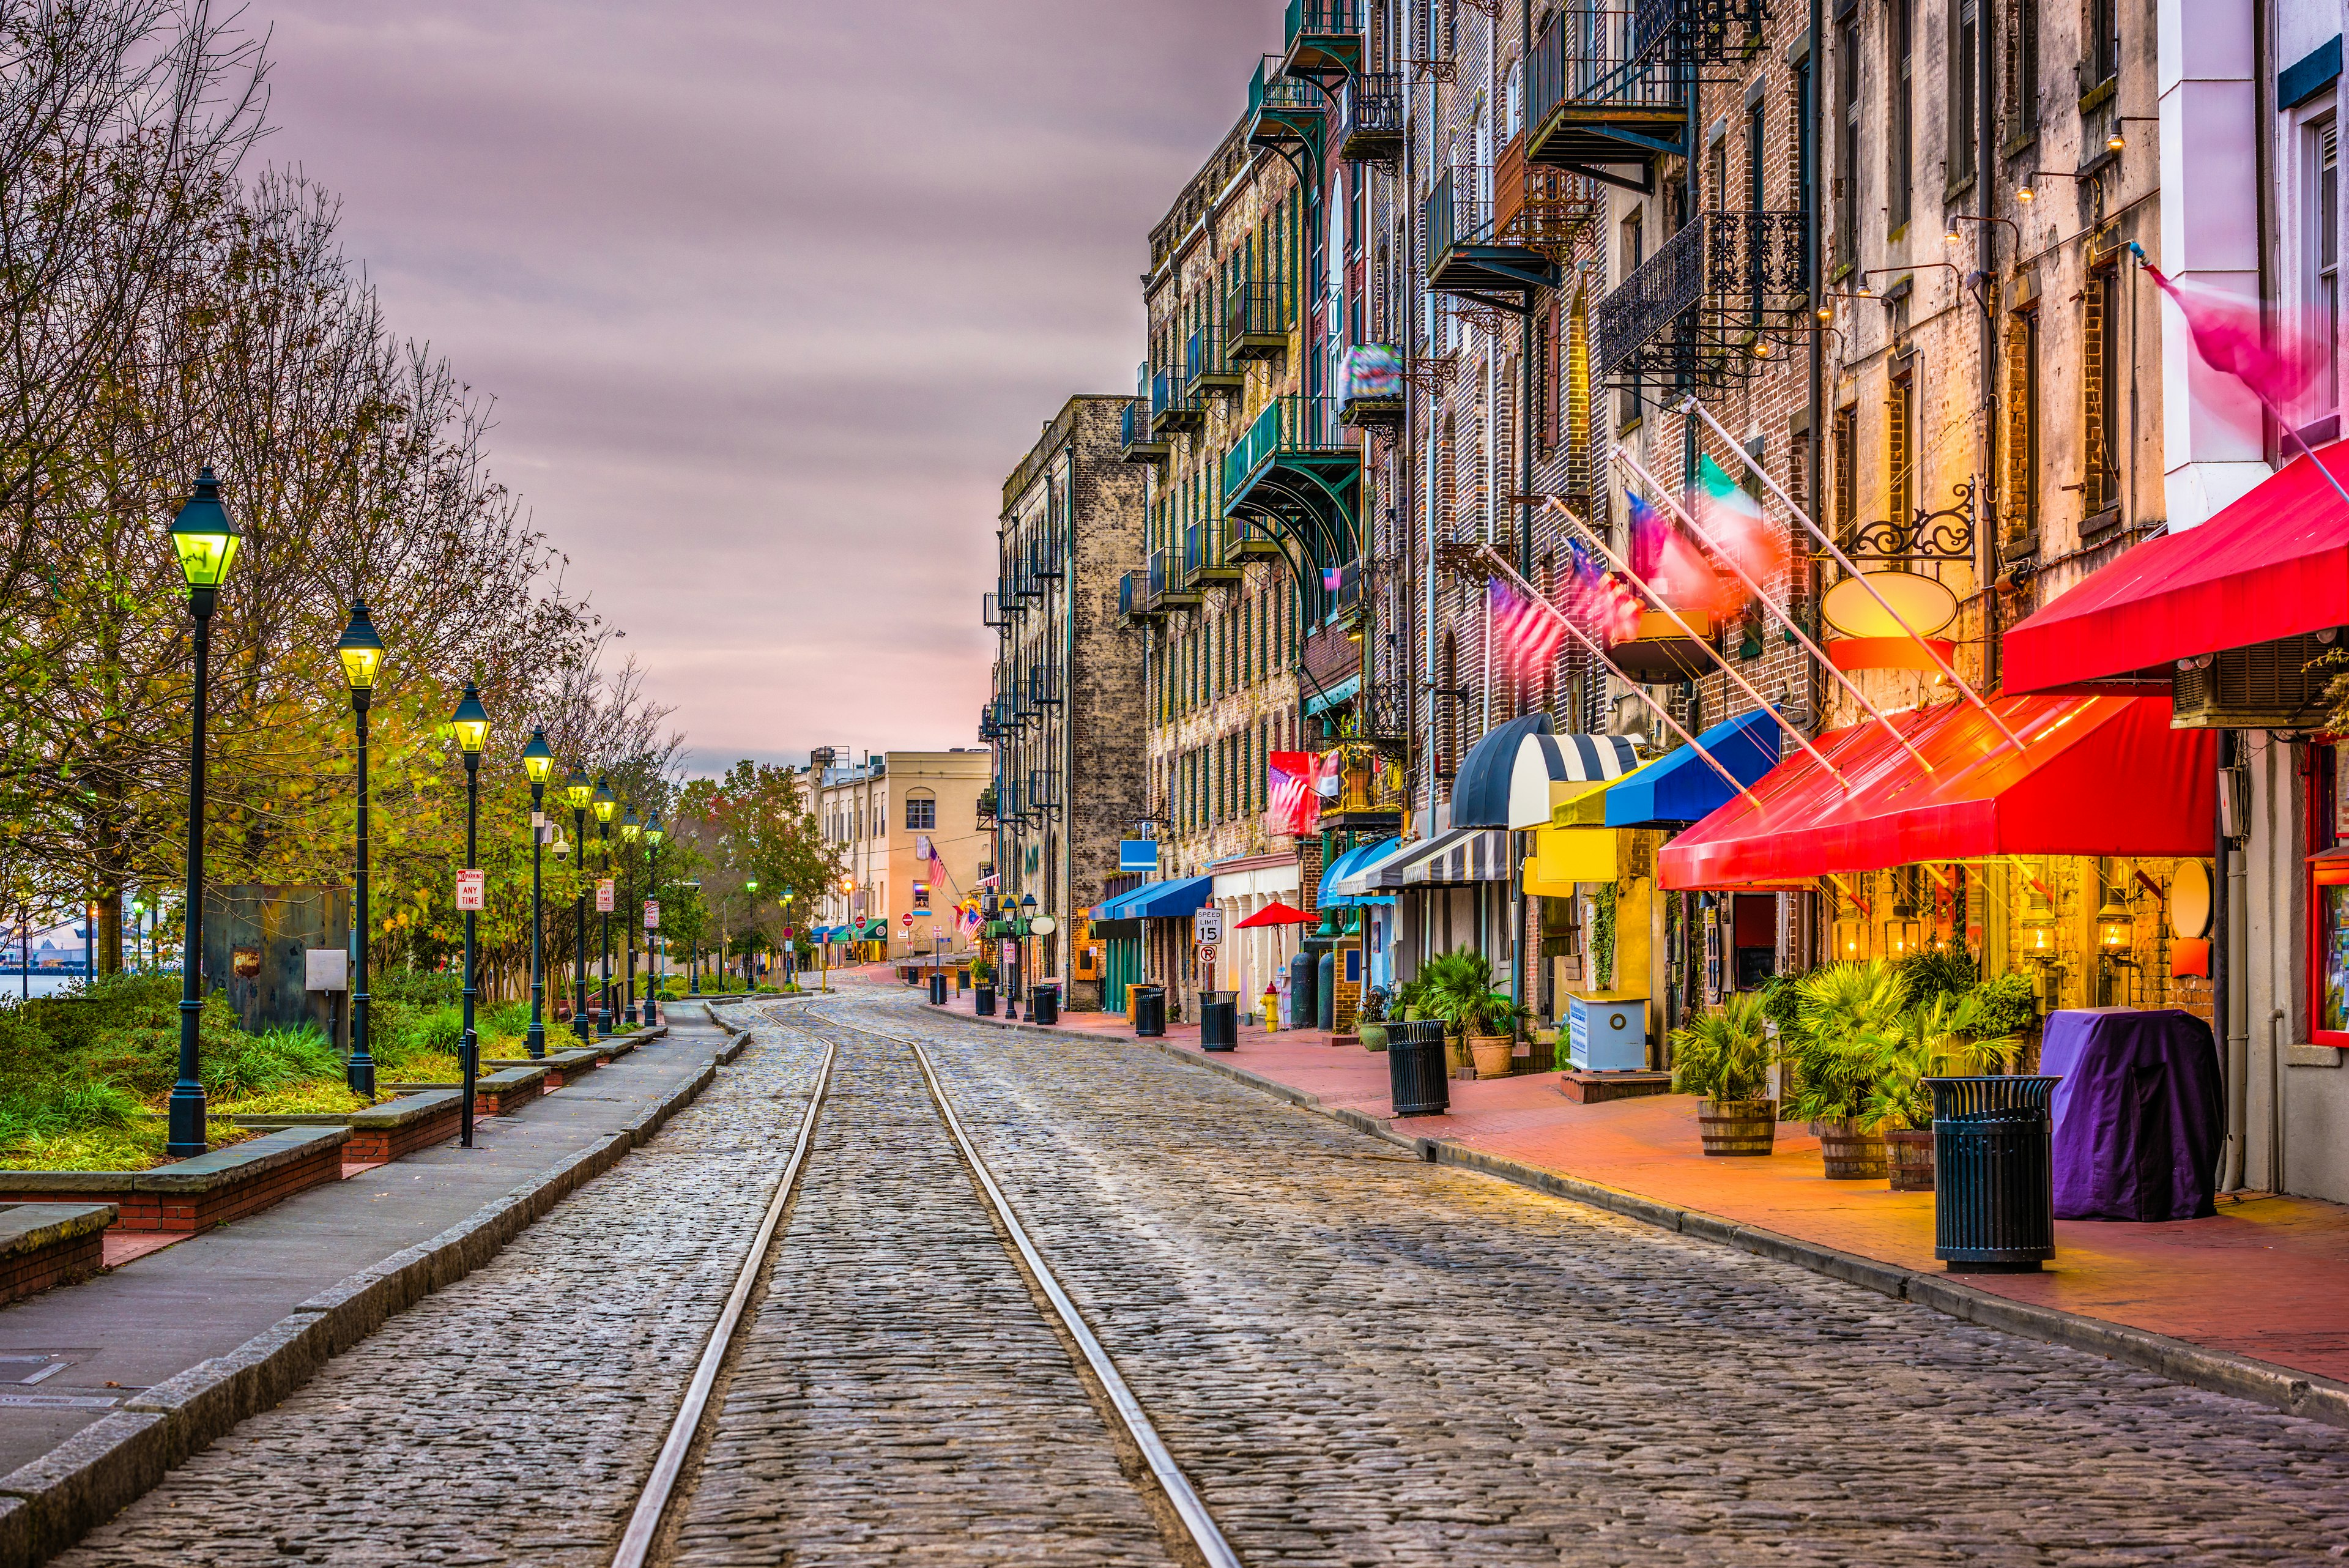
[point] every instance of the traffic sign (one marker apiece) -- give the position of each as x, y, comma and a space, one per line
1207, 925
652, 914
605, 900
908, 918
472, 889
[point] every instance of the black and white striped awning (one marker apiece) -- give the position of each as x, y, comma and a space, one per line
1459, 855
1505, 779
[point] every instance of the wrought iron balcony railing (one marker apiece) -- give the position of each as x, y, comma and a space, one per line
1273, 93
986, 729
1681, 314
1708, 31
1370, 116
1294, 425
990, 610
1135, 443
1206, 556
1172, 408
1168, 588
1207, 363
1044, 686
1321, 18
1043, 792
1458, 213
1045, 556
1257, 317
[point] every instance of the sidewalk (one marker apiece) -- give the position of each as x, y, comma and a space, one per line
165, 1311
2263, 1279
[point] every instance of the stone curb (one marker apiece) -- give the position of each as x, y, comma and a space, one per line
50, 1502
2200, 1367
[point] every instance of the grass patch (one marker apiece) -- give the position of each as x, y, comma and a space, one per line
318, 1099
136, 1146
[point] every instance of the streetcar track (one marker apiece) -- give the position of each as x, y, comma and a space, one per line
1190, 1532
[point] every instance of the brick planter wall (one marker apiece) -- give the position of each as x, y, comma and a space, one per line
47, 1244
405, 1126
197, 1194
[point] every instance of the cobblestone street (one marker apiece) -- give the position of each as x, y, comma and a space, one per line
1356, 1358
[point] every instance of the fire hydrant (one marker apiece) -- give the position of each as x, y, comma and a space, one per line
1271, 1010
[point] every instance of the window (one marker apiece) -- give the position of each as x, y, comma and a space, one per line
921, 814
2019, 530
2328, 907
1846, 171
921, 897
2100, 380
2104, 41
1965, 42
2022, 71
1900, 15
1901, 449
1847, 475
1753, 204
1634, 252
2324, 256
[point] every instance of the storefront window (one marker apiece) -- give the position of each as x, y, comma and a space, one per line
2329, 898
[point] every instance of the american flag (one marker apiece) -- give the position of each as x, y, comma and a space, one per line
1525, 635
1293, 802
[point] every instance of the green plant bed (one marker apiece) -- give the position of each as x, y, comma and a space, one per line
423, 1067
138, 1146
317, 1099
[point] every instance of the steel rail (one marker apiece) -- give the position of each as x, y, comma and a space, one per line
1196, 1522
643, 1524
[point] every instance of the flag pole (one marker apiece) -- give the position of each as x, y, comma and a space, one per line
1857, 695
1502, 569
1743, 684
1692, 406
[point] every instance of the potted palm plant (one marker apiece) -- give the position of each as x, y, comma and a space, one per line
1460, 992
1849, 1023
1942, 1038
1371, 1023
1724, 1055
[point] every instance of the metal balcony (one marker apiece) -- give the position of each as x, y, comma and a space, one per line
1603, 94
986, 731
990, 610
1134, 442
1134, 600
1466, 255
1207, 364
1043, 792
1247, 540
1296, 453
1172, 408
1284, 112
1705, 32
1324, 38
1257, 317
1688, 315
1204, 559
1370, 116
1166, 589
1044, 687
1046, 560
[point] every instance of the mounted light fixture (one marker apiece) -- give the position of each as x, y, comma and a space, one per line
360, 649
472, 722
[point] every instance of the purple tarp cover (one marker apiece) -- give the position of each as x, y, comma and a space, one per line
2138, 1115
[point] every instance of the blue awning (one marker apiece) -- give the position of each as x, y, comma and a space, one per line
1167, 901
1680, 786
1344, 692
1114, 908
1351, 861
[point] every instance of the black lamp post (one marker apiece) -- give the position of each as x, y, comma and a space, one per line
578, 790
1027, 925
205, 541
750, 938
654, 951
538, 762
791, 941
630, 830
361, 651
472, 722
606, 803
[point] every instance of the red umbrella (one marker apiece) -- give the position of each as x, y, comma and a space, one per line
1276, 914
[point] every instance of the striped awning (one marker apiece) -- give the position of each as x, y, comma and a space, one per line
1510, 778
1457, 855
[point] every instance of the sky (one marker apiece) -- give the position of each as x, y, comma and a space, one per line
770, 295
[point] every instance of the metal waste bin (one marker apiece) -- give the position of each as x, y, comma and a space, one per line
1304, 989
1149, 1011
982, 1000
1415, 1067
1219, 1021
938, 988
1993, 1174
1043, 1004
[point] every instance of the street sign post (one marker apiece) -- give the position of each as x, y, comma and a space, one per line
1207, 925
472, 890
604, 899
652, 914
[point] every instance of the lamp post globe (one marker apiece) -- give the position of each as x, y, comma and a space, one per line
204, 540
577, 792
604, 803
472, 725
656, 952
361, 652
538, 764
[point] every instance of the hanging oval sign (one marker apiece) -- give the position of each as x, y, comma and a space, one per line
2190, 900
1924, 604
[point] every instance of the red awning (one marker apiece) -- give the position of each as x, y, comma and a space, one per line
2097, 775
2273, 565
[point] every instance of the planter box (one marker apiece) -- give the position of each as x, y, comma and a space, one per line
46, 1244
193, 1195
498, 1093
1598, 1088
419, 1119
561, 1067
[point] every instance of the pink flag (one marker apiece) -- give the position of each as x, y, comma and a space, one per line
1524, 635
1292, 803
1674, 567
2227, 334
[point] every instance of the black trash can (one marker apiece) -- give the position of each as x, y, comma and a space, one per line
938, 988
1219, 1021
1304, 988
1043, 1005
1149, 1012
1415, 1067
1993, 1174
983, 1002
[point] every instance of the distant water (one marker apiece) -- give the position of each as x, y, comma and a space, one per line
12, 987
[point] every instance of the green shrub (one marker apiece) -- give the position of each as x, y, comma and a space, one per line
1724, 1054
421, 988
2008, 1008
1937, 972
1849, 1020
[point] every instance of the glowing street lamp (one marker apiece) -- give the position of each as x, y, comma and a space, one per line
361, 651
538, 762
472, 722
604, 804
577, 791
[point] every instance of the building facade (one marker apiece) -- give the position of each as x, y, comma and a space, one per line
882, 812
1064, 722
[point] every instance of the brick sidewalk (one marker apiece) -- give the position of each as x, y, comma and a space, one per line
2265, 1278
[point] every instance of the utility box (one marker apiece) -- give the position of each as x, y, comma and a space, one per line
257, 940
1607, 1034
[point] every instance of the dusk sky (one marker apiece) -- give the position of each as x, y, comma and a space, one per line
772, 296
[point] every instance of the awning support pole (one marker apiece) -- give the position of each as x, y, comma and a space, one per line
1625, 460
1502, 569
1743, 684
1692, 405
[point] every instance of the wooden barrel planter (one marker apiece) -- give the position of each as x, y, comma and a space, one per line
1912, 1159
1737, 1126
1851, 1154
